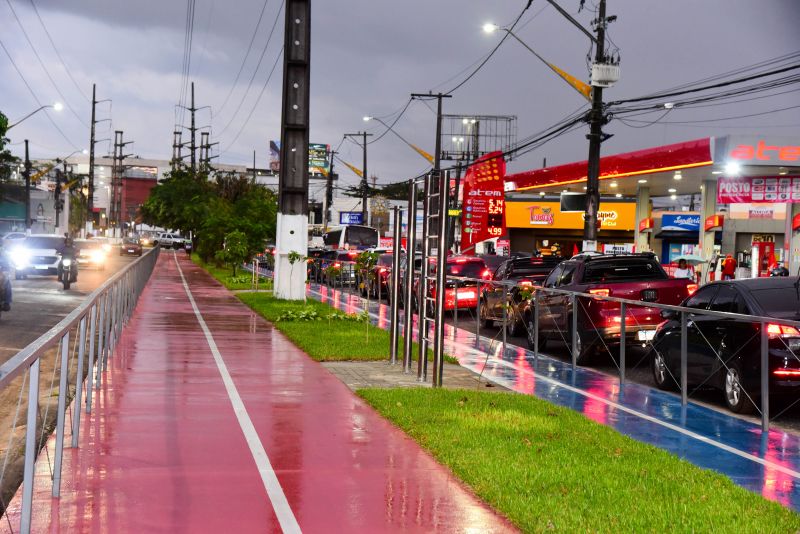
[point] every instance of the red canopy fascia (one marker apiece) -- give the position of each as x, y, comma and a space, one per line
684, 155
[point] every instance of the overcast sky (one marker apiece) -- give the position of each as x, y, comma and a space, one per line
367, 56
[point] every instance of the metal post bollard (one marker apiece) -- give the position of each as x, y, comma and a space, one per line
455, 310
764, 378
76, 416
61, 416
684, 350
394, 311
478, 321
574, 348
621, 342
90, 368
536, 325
30, 447
505, 318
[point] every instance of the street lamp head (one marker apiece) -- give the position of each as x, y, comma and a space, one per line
84, 151
58, 106
367, 118
490, 27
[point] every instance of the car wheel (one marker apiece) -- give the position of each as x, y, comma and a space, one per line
736, 396
484, 315
513, 326
531, 339
661, 375
584, 350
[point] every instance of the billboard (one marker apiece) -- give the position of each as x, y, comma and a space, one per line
680, 223
318, 157
748, 189
483, 215
351, 217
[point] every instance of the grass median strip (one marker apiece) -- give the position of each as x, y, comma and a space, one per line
242, 280
324, 333
549, 468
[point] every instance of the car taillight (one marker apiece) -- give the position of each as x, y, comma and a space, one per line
352, 254
382, 270
486, 274
794, 373
525, 283
461, 260
337, 265
600, 292
779, 330
690, 289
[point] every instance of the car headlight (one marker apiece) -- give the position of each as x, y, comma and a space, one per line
67, 263
106, 247
20, 257
97, 256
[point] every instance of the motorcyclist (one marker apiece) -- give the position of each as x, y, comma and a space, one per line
69, 252
5, 279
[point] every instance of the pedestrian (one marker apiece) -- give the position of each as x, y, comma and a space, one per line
728, 268
683, 270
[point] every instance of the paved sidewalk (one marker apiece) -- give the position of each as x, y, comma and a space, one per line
359, 375
209, 420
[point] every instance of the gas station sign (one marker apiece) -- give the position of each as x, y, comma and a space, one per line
748, 189
483, 214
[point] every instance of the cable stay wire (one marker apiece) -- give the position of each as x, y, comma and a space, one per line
255, 104
36, 98
44, 67
244, 58
61, 59
255, 71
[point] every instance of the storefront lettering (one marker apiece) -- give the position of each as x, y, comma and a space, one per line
546, 216
761, 149
734, 188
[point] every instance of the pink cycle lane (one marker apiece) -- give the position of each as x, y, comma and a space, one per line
209, 420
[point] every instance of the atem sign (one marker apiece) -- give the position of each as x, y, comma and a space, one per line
757, 150
762, 151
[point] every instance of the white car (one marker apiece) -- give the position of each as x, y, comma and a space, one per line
168, 240
36, 254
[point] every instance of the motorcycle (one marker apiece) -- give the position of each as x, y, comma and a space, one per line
67, 272
187, 247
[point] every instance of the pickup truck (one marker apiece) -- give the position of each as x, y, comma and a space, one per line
168, 240
631, 276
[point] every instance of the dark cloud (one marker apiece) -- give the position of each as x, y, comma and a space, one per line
367, 56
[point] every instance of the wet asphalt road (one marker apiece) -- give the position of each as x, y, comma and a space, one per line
40, 302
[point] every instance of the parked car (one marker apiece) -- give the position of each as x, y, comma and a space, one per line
9, 238
90, 254
378, 279
37, 254
470, 267
525, 273
725, 353
131, 246
630, 276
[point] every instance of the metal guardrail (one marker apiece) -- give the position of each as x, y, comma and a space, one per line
104, 313
628, 323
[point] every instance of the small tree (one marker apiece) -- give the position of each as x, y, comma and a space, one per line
235, 249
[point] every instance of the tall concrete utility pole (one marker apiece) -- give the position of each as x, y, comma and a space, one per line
292, 231
176, 150
326, 213
26, 172
597, 119
364, 185
193, 130
90, 197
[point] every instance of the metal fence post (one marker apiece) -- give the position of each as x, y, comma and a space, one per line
408, 294
478, 319
684, 350
536, 324
422, 334
30, 447
621, 342
574, 337
61, 416
764, 378
90, 369
455, 309
101, 328
394, 311
442, 181
505, 318
76, 416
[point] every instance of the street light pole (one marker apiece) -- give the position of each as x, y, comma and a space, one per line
364, 186
57, 106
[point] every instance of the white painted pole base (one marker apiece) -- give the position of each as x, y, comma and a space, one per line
292, 236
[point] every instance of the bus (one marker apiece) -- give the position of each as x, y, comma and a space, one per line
352, 236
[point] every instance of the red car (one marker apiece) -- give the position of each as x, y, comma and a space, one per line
468, 290
632, 276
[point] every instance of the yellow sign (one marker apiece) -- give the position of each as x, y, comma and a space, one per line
532, 214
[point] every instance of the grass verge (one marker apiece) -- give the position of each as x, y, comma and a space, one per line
549, 468
225, 276
325, 339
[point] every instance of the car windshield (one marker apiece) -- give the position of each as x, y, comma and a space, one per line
130, 241
607, 271
783, 302
470, 269
44, 242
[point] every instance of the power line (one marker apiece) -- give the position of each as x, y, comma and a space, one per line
255, 104
722, 118
55, 48
255, 71
46, 71
33, 94
244, 58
